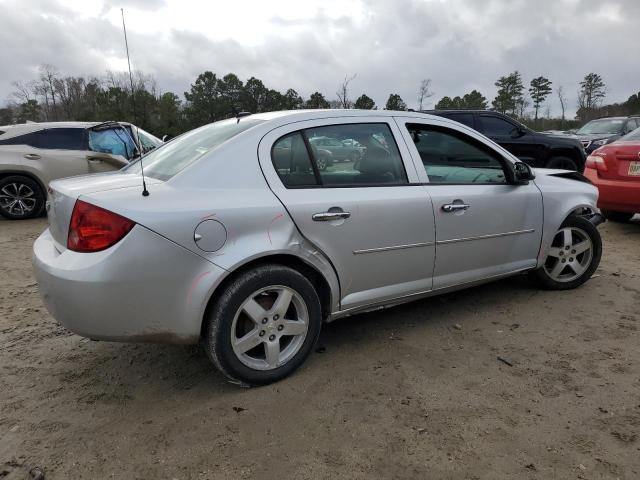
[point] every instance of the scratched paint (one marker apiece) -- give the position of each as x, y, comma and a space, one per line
208, 217
274, 219
195, 283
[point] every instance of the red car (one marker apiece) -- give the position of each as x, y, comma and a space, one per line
615, 170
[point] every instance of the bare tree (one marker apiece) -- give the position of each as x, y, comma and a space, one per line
424, 92
343, 92
24, 91
48, 76
562, 99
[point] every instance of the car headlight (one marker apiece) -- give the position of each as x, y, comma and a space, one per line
599, 143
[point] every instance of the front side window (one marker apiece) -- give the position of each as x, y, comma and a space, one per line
451, 157
148, 141
114, 141
464, 118
496, 126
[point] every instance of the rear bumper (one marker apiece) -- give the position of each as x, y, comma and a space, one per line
145, 288
616, 195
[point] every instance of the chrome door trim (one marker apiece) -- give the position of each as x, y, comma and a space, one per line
483, 237
393, 247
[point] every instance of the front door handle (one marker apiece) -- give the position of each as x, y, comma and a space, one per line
454, 207
328, 216
32, 156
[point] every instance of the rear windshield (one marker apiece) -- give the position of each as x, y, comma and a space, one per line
176, 155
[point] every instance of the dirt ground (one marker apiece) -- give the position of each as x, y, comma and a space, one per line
415, 392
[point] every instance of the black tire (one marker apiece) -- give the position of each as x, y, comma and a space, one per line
220, 319
35, 200
543, 278
622, 217
562, 163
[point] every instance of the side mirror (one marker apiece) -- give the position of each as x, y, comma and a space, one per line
522, 173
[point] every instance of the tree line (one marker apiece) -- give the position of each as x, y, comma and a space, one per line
54, 97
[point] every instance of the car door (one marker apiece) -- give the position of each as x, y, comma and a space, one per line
373, 221
485, 225
513, 137
57, 153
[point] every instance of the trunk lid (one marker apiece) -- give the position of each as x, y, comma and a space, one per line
622, 160
64, 193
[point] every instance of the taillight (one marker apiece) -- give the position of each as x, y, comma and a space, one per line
93, 228
596, 161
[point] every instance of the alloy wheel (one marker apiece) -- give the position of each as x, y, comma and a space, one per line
570, 255
17, 199
269, 328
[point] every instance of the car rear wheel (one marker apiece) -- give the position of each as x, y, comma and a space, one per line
573, 257
20, 198
622, 217
264, 325
562, 163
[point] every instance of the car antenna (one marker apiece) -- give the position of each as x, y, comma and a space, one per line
145, 192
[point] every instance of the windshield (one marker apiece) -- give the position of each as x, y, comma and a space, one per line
633, 136
604, 126
172, 157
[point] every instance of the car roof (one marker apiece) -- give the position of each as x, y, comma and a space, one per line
22, 128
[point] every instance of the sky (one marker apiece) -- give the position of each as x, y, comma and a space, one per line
312, 45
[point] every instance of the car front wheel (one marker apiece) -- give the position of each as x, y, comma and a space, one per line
264, 325
20, 198
573, 257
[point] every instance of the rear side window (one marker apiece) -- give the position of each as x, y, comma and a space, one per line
451, 157
291, 160
347, 155
51, 139
60, 139
496, 126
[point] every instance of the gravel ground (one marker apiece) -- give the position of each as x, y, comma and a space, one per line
417, 391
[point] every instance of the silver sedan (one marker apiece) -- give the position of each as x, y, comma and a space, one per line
240, 241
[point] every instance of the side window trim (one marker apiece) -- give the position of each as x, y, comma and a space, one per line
312, 158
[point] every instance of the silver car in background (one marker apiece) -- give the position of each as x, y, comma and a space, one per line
251, 255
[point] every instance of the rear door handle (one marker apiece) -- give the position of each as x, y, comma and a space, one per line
32, 156
328, 216
454, 207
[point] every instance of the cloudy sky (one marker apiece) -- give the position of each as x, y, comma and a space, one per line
312, 44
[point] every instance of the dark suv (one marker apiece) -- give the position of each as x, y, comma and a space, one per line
536, 149
602, 131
